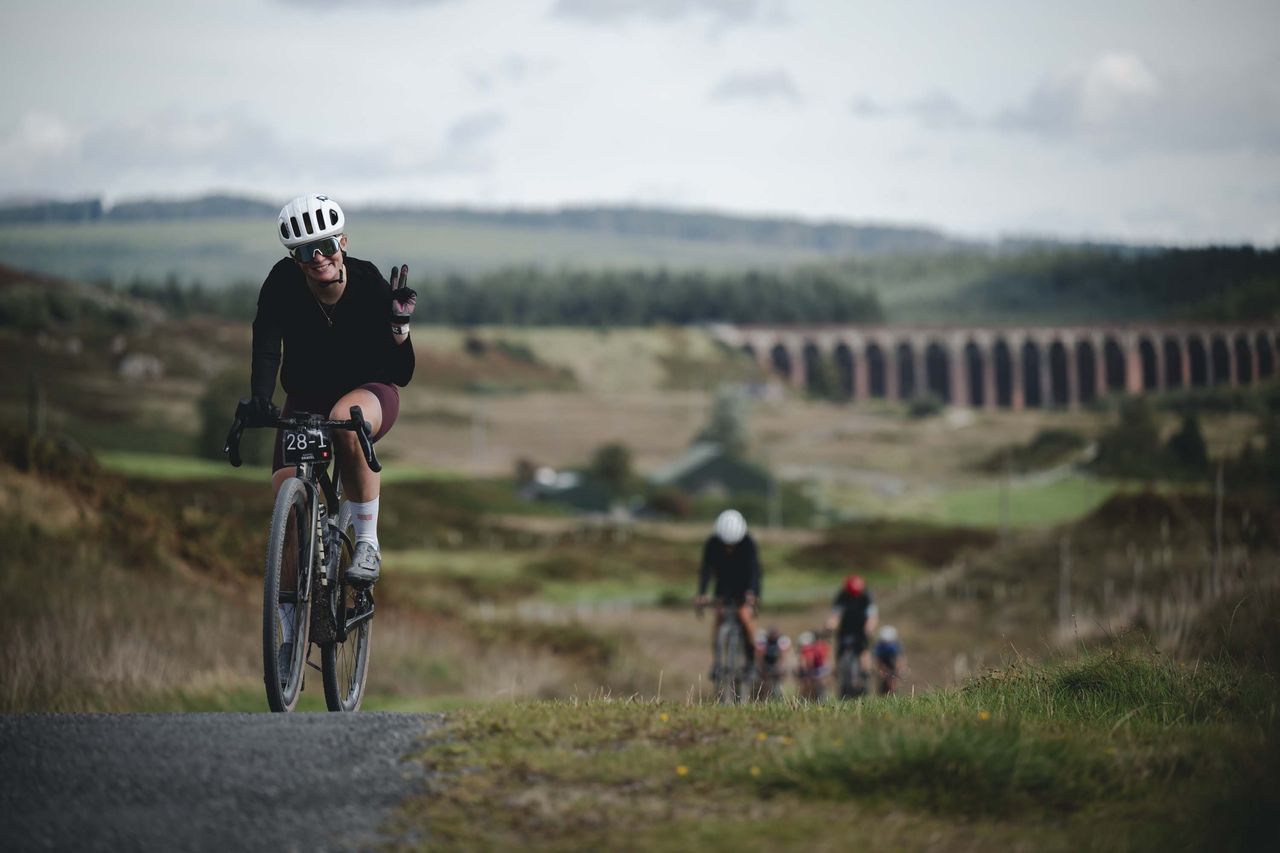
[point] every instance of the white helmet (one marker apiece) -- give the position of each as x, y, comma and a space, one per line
807, 638
889, 634
308, 218
731, 527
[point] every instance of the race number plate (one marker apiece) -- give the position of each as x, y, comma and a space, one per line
306, 444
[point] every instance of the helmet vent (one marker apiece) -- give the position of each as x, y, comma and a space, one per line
333, 217
284, 231
306, 220
297, 232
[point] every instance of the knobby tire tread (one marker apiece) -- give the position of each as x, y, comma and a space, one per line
340, 697
278, 698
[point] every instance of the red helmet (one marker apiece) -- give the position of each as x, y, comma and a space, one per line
855, 585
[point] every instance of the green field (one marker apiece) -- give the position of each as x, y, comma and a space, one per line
1029, 504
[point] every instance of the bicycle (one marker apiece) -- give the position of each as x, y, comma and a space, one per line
852, 680
309, 548
729, 669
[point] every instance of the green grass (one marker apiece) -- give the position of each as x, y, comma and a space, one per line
160, 466
1030, 505
1118, 749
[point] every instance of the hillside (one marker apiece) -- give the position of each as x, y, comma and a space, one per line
840, 238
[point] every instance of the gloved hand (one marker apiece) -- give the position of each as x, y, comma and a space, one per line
261, 411
403, 299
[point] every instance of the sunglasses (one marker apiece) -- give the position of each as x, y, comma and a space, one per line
307, 251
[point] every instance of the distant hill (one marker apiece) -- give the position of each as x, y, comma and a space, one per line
829, 237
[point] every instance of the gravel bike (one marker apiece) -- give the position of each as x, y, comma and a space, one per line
849, 673
306, 598
730, 672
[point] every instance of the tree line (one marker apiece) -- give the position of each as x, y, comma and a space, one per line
533, 297
1218, 283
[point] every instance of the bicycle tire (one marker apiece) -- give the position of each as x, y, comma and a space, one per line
729, 674
289, 538
850, 669
345, 665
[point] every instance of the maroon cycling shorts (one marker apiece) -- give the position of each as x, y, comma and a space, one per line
322, 404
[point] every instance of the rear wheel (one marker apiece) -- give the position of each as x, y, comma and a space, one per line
285, 617
346, 664
729, 680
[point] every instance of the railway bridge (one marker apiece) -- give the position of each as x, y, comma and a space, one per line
1013, 367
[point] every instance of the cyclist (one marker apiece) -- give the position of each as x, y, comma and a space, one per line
854, 617
771, 648
814, 666
345, 336
889, 658
729, 555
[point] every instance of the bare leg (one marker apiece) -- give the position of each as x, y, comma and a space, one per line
715, 630
747, 618
359, 482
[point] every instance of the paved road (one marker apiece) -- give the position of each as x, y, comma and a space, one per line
203, 781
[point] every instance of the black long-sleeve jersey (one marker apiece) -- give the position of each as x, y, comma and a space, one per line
326, 352
736, 570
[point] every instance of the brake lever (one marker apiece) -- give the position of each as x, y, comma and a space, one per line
362, 435
232, 445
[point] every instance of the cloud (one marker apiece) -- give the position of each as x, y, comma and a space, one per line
771, 85
935, 110
512, 69
723, 13
466, 145
180, 149
1086, 97
1117, 104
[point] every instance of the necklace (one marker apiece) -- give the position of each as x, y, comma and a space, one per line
326, 310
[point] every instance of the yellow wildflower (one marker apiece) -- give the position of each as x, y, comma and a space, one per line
984, 715
663, 717
761, 736
682, 770
755, 771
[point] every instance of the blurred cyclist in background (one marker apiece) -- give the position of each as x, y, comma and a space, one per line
890, 661
730, 557
771, 648
815, 665
853, 618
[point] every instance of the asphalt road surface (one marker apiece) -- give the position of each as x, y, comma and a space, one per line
204, 781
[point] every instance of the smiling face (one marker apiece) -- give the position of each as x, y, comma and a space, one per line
324, 270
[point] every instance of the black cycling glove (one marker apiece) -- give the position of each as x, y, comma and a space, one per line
403, 298
261, 412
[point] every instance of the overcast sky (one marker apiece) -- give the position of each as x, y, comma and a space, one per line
1134, 120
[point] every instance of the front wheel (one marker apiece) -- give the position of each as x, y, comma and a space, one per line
852, 681
730, 683
345, 664
285, 616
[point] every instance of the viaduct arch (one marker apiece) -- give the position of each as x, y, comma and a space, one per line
1014, 367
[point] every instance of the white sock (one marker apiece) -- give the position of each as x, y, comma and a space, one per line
286, 622
365, 516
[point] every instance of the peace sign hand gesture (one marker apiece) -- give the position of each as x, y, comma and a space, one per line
403, 299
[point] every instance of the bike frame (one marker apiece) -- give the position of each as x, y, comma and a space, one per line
324, 495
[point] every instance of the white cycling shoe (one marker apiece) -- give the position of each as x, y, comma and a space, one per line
366, 565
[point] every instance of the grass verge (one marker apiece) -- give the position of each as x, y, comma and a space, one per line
1118, 750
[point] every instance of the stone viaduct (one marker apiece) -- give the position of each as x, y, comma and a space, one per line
1013, 367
